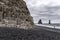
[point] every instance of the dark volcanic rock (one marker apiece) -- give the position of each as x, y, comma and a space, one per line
15, 12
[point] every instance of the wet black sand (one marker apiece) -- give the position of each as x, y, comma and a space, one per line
31, 34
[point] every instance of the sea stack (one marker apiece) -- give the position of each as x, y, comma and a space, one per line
14, 13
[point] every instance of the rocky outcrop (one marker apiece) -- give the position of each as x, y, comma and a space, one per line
15, 12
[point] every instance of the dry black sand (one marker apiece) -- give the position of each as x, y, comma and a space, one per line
31, 34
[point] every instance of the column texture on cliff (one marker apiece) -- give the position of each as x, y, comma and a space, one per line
15, 12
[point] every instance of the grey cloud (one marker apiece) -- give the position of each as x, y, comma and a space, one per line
43, 12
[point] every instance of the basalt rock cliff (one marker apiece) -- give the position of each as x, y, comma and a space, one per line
15, 13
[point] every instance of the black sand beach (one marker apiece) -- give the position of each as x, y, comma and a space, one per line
31, 34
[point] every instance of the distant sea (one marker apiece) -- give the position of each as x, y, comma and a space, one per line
53, 24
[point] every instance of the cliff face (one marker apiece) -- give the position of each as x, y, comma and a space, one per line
15, 12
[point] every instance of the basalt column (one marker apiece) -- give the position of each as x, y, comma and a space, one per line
16, 13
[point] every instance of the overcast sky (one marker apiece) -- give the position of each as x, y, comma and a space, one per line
45, 10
